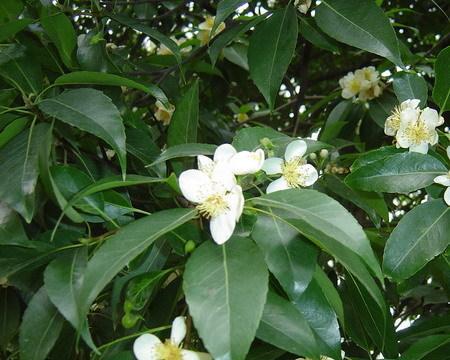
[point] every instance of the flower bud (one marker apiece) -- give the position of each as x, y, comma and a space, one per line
313, 156
267, 143
323, 153
129, 320
189, 246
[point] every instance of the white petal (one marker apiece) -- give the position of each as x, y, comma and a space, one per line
277, 185
222, 226
443, 180
421, 148
144, 347
224, 152
246, 162
411, 104
178, 330
295, 149
447, 196
223, 176
448, 152
205, 163
431, 117
193, 355
308, 175
408, 115
235, 200
272, 166
195, 185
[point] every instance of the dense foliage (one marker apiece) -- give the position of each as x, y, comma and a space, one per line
324, 226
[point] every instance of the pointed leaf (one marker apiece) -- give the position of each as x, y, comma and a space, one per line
441, 91
411, 86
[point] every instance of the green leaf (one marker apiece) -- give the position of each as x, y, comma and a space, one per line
421, 235
11, 51
237, 54
410, 86
289, 257
381, 107
184, 123
283, 326
420, 349
19, 169
13, 129
152, 33
375, 155
310, 31
441, 91
90, 110
100, 78
11, 229
225, 309
59, 29
11, 28
92, 54
10, 10
270, 52
123, 247
361, 24
9, 316
224, 9
23, 74
185, 150
330, 293
399, 173
337, 119
40, 328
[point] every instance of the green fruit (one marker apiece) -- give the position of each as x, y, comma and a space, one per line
129, 320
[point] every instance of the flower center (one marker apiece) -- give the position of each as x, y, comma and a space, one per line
289, 170
168, 351
418, 132
354, 85
213, 206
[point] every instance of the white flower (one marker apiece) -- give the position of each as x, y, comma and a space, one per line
204, 35
239, 163
294, 170
303, 5
164, 50
445, 180
164, 114
363, 82
150, 347
418, 129
217, 196
392, 123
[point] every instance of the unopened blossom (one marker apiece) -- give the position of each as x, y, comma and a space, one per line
445, 181
364, 83
418, 129
164, 50
303, 5
204, 35
294, 170
392, 123
163, 113
150, 347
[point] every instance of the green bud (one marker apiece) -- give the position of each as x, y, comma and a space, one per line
128, 306
129, 320
313, 156
265, 142
324, 153
189, 246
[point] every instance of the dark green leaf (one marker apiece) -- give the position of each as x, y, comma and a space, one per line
92, 54
410, 86
361, 24
310, 31
9, 316
224, 9
13, 129
381, 107
425, 346
23, 74
421, 235
375, 155
226, 311
10, 10
185, 150
10, 52
441, 91
272, 46
11, 28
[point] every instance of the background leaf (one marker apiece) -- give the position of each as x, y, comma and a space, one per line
411, 86
441, 91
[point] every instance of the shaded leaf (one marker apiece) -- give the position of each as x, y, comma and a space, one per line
410, 86
441, 91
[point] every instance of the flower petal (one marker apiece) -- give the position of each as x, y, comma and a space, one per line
235, 200
295, 149
410, 104
420, 148
195, 185
307, 175
447, 196
222, 226
194, 355
431, 117
246, 162
205, 163
443, 180
224, 152
272, 166
178, 330
223, 176
448, 152
144, 347
277, 185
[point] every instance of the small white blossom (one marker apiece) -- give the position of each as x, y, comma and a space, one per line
294, 170
150, 347
163, 113
445, 181
164, 50
364, 83
303, 5
204, 35
392, 123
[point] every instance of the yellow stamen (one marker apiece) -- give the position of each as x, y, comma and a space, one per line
418, 132
394, 119
168, 351
212, 206
290, 172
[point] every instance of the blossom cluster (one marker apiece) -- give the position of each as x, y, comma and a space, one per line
412, 127
365, 84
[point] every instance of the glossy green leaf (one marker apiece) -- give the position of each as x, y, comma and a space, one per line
399, 173
24, 75
19, 169
11, 28
185, 150
361, 24
441, 91
184, 123
13, 129
10, 9
224, 9
123, 247
330, 293
11, 229
100, 78
411, 86
40, 328
59, 29
9, 316
283, 326
421, 235
237, 54
425, 346
381, 107
226, 311
271, 49
11, 51
311, 32
92, 54
289, 257
375, 155
90, 110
